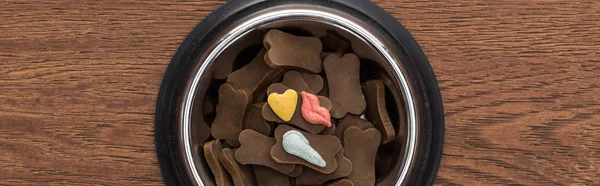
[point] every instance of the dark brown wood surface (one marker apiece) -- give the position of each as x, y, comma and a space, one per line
520, 82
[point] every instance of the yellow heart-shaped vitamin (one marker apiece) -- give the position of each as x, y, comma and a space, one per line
284, 105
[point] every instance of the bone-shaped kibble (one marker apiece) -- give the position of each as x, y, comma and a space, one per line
364, 51
261, 95
201, 129
297, 119
326, 145
314, 81
335, 42
359, 47
208, 107
230, 113
296, 144
223, 65
315, 29
255, 76
325, 90
348, 121
325, 54
267, 176
389, 178
399, 104
312, 177
255, 149
255, 121
342, 182
344, 85
376, 109
387, 165
212, 150
297, 171
242, 175
329, 130
290, 51
311, 83
361, 148
294, 80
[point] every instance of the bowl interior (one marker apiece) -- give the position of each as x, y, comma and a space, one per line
373, 66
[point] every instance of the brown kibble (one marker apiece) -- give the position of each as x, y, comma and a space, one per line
329, 130
387, 164
201, 128
297, 119
349, 121
376, 110
315, 29
297, 171
241, 175
208, 106
312, 177
255, 121
261, 95
223, 65
389, 179
335, 42
325, 54
325, 91
314, 81
255, 149
345, 92
399, 105
360, 48
268, 176
326, 145
363, 51
294, 80
342, 182
311, 83
361, 148
230, 113
212, 150
255, 76
290, 51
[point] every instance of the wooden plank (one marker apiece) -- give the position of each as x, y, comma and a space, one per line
519, 81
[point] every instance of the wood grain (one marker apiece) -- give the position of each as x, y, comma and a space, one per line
519, 79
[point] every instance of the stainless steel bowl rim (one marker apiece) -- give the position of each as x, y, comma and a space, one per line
297, 12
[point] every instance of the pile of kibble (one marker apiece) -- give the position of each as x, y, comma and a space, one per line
304, 110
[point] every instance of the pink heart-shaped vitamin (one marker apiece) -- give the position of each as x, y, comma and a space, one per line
313, 112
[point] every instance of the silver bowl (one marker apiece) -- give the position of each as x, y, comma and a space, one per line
417, 120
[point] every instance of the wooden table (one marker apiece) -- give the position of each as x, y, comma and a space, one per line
520, 82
